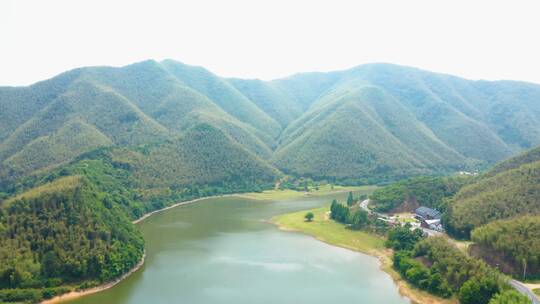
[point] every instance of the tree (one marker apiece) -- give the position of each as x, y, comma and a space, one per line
350, 200
478, 291
50, 264
509, 297
309, 216
403, 238
333, 209
359, 219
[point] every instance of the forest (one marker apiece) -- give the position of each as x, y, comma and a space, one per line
412, 193
435, 265
514, 244
65, 232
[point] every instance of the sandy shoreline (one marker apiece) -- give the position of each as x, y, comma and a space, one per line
79, 293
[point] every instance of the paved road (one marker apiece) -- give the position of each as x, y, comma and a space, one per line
364, 205
525, 291
516, 284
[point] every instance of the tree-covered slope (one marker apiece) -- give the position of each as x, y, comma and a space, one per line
394, 120
203, 155
370, 130
409, 194
139, 103
511, 189
177, 107
513, 245
279, 104
64, 232
446, 122
72, 139
224, 95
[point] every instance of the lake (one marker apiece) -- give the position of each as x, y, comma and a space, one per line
222, 250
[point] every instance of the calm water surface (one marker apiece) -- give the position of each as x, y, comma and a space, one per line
221, 251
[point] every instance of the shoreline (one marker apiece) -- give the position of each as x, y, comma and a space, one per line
74, 294
80, 293
384, 259
149, 214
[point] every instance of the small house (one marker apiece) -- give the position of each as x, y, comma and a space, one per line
425, 213
429, 218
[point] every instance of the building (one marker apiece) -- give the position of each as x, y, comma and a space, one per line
425, 213
429, 218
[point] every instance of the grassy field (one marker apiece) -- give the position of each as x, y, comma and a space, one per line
330, 231
537, 291
337, 234
271, 195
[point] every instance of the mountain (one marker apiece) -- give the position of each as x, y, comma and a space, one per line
509, 190
436, 116
85, 152
374, 122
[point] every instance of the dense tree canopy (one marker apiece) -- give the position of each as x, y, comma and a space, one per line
515, 241
64, 232
419, 191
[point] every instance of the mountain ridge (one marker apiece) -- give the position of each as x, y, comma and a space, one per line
434, 122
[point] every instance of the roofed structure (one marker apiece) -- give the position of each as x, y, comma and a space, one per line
426, 213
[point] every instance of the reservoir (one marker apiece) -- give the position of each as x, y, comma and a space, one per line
222, 250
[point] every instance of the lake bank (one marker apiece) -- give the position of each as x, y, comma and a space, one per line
333, 233
265, 195
192, 251
80, 293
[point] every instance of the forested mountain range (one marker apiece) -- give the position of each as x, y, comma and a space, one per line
95, 147
374, 121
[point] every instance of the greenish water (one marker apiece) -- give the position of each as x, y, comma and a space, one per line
222, 251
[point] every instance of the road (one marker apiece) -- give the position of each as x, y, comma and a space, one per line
516, 284
364, 205
524, 290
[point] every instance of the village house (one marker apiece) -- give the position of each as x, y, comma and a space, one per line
429, 218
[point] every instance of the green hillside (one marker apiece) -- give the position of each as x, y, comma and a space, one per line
71, 140
513, 245
279, 104
447, 122
510, 189
64, 232
409, 194
371, 131
202, 156
394, 121
224, 95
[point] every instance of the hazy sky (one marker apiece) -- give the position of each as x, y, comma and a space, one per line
271, 38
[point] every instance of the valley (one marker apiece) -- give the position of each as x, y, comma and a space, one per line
91, 151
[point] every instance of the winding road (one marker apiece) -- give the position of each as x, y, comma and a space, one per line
517, 285
524, 290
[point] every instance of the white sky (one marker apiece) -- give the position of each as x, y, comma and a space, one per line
268, 39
